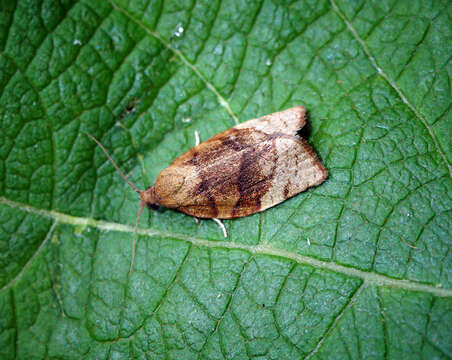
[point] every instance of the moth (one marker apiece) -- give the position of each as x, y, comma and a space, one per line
246, 169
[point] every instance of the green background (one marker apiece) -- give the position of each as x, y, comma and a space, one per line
359, 267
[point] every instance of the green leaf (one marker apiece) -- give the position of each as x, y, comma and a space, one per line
359, 267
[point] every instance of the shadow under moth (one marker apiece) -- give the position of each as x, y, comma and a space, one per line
243, 170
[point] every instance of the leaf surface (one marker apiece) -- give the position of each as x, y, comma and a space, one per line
359, 267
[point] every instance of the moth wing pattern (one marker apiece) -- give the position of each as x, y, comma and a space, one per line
297, 169
285, 122
248, 168
209, 174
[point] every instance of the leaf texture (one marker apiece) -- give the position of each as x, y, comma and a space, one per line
360, 267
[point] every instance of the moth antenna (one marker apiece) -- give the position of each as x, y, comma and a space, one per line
135, 237
112, 161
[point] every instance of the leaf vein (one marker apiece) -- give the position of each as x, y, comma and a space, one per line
336, 320
394, 86
370, 277
209, 85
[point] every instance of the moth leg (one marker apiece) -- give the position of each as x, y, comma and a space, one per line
221, 225
196, 220
196, 138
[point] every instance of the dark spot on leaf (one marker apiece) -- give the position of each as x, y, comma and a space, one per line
130, 109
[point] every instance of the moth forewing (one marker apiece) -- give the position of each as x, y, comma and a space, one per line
285, 122
248, 168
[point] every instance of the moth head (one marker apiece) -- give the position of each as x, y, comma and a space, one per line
149, 198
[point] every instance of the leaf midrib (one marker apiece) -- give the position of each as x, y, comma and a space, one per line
260, 249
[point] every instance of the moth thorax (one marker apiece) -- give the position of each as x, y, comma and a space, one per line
169, 183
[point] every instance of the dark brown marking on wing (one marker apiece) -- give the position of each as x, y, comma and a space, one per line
204, 190
234, 141
236, 169
286, 189
252, 183
219, 146
195, 158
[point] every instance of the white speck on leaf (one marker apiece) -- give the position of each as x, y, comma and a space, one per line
382, 126
218, 49
186, 119
77, 42
179, 30
268, 62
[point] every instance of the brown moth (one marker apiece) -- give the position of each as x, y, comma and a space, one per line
246, 169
